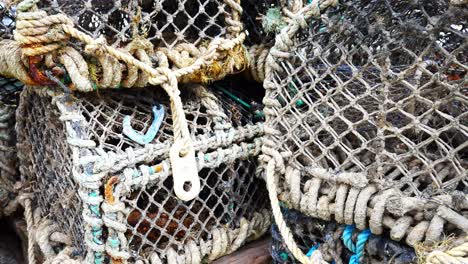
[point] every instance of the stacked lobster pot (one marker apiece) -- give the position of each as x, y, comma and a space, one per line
127, 155
9, 90
9, 176
366, 125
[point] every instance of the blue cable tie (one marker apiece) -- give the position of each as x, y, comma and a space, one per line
143, 139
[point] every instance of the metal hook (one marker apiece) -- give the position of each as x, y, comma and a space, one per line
158, 112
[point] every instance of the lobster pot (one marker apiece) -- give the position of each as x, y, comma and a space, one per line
369, 112
333, 239
9, 91
115, 197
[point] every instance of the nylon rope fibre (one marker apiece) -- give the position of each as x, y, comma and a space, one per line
456, 255
25, 201
358, 248
316, 257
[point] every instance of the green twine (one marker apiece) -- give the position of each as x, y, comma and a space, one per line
66, 78
273, 22
293, 91
284, 256
94, 208
235, 98
98, 258
97, 233
257, 113
114, 242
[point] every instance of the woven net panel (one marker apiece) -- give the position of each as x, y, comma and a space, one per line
158, 220
379, 87
165, 23
9, 91
105, 114
311, 232
46, 164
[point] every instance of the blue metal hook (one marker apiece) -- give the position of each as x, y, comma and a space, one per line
158, 112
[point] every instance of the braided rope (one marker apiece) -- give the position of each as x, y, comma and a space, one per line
224, 241
358, 248
353, 204
63, 258
353, 201
456, 255
39, 28
281, 223
25, 200
257, 62
347, 238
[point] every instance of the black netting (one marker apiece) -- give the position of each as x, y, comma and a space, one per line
164, 23
7, 20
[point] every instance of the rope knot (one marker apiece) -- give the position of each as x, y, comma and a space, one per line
24, 197
97, 47
300, 20
139, 43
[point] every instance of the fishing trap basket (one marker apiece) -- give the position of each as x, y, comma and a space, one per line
366, 117
114, 197
9, 94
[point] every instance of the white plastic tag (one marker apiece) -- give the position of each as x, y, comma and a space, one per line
184, 172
